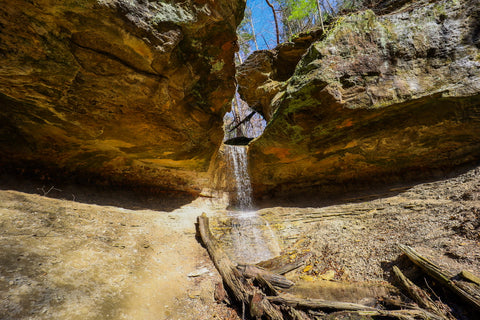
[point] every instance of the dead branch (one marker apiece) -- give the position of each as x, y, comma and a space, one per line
242, 291
282, 264
317, 304
420, 296
247, 118
276, 280
466, 291
45, 193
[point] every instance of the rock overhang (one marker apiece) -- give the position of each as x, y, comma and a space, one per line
122, 92
376, 99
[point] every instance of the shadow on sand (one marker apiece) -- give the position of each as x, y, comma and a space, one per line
133, 198
354, 192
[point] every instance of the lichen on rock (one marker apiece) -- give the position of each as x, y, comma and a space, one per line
377, 99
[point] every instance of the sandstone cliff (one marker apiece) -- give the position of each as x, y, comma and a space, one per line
377, 98
116, 91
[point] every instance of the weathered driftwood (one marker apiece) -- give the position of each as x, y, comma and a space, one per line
466, 291
250, 271
317, 304
236, 283
467, 275
224, 265
283, 264
265, 286
258, 304
263, 301
419, 295
409, 314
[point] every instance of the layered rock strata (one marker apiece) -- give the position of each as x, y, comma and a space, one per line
262, 77
118, 92
380, 98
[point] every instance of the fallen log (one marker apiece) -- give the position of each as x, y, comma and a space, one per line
317, 304
242, 291
224, 265
468, 292
283, 264
250, 271
420, 296
409, 314
270, 304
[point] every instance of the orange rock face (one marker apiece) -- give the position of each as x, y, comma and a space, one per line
377, 99
118, 92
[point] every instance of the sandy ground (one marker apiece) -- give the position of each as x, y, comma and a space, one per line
439, 218
63, 259
356, 242
128, 259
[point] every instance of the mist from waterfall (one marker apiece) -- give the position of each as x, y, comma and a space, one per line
251, 237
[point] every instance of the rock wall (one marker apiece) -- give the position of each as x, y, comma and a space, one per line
378, 99
116, 91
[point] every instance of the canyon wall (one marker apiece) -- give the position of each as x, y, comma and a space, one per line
116, 92
378, 98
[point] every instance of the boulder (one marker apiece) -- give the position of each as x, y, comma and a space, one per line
378, 99
262, 77
115, 91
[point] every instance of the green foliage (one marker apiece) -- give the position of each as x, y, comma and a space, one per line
297, 16
301, 9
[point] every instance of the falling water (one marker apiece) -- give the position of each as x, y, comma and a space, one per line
237, 156
252, 239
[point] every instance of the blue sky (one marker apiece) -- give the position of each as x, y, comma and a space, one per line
263, 23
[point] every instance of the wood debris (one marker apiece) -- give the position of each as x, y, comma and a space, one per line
259, 291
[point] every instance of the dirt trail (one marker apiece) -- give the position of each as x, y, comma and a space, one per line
68, 260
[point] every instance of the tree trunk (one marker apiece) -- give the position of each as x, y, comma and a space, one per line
275, 19
254, 35
320, 15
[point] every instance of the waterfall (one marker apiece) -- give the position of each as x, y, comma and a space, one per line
237, 157
251, 238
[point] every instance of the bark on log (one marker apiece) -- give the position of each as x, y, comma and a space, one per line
470, 277
466, 291
266, 286
317, 304
409, 314
250, 271
420, 296
282, 264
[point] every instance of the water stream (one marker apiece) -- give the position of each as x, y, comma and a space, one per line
251, 238
237, 158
